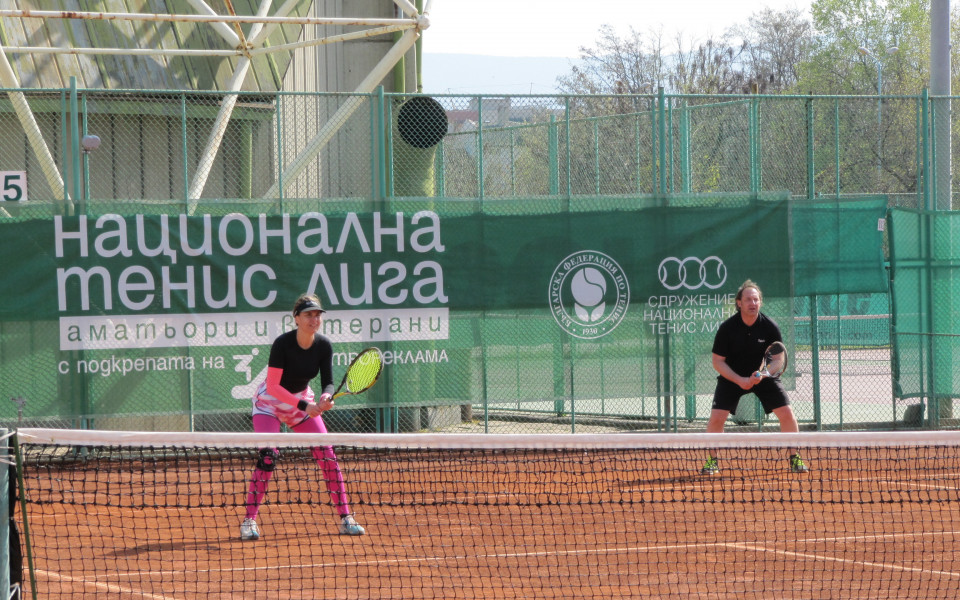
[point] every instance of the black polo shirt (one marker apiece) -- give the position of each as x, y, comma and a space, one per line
742, 346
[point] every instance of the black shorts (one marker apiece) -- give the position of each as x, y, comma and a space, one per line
769, 391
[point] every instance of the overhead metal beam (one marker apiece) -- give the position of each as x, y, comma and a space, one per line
222, 120
349, 106
356, 35
219, 26
47, 164
171, 17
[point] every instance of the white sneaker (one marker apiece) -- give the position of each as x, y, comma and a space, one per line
249, 530
349, 526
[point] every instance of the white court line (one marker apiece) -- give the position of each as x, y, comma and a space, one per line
918, 484
437, 559
595, 551
700, 482
114, 589
824, 558
711, 481
878, 536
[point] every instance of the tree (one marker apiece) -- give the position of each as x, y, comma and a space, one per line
761, 56
632, 64
710, 68
869, 48
776, 43
837, 66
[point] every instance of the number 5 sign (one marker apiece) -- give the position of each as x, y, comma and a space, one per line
13, 186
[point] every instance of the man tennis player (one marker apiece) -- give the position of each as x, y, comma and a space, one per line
296, 357
738, 350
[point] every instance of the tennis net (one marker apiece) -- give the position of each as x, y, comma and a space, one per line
157, 515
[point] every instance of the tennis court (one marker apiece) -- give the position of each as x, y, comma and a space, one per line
558, 517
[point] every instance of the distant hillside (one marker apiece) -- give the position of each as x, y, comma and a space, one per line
476, 74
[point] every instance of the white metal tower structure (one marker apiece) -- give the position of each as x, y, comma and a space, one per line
401, 32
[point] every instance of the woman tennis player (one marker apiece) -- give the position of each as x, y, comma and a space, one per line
296, 357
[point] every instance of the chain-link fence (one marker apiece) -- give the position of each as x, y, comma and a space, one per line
585, 146
162, 148
460, 207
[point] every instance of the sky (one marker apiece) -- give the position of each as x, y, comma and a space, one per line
558, 28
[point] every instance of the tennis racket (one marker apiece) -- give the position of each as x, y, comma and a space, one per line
362, 373
774, 361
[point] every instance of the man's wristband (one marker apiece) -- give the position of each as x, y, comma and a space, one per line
302, 405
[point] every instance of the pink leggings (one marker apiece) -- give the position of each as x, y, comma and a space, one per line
324, 456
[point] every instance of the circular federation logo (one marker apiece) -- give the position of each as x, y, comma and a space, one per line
588, 294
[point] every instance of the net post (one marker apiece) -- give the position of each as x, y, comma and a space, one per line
5, 516
18, 461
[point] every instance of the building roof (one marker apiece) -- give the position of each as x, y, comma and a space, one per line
138, 72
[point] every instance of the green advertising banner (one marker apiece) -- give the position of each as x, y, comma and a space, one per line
508, 300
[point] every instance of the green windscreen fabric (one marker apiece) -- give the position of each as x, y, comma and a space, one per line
538, 299
925, 259
840, 246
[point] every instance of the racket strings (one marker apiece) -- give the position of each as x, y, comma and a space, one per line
775, 360
775, 364
364, 372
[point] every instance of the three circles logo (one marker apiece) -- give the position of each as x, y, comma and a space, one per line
692, 273
588, 294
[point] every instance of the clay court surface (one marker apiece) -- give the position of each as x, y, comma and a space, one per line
494, 525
